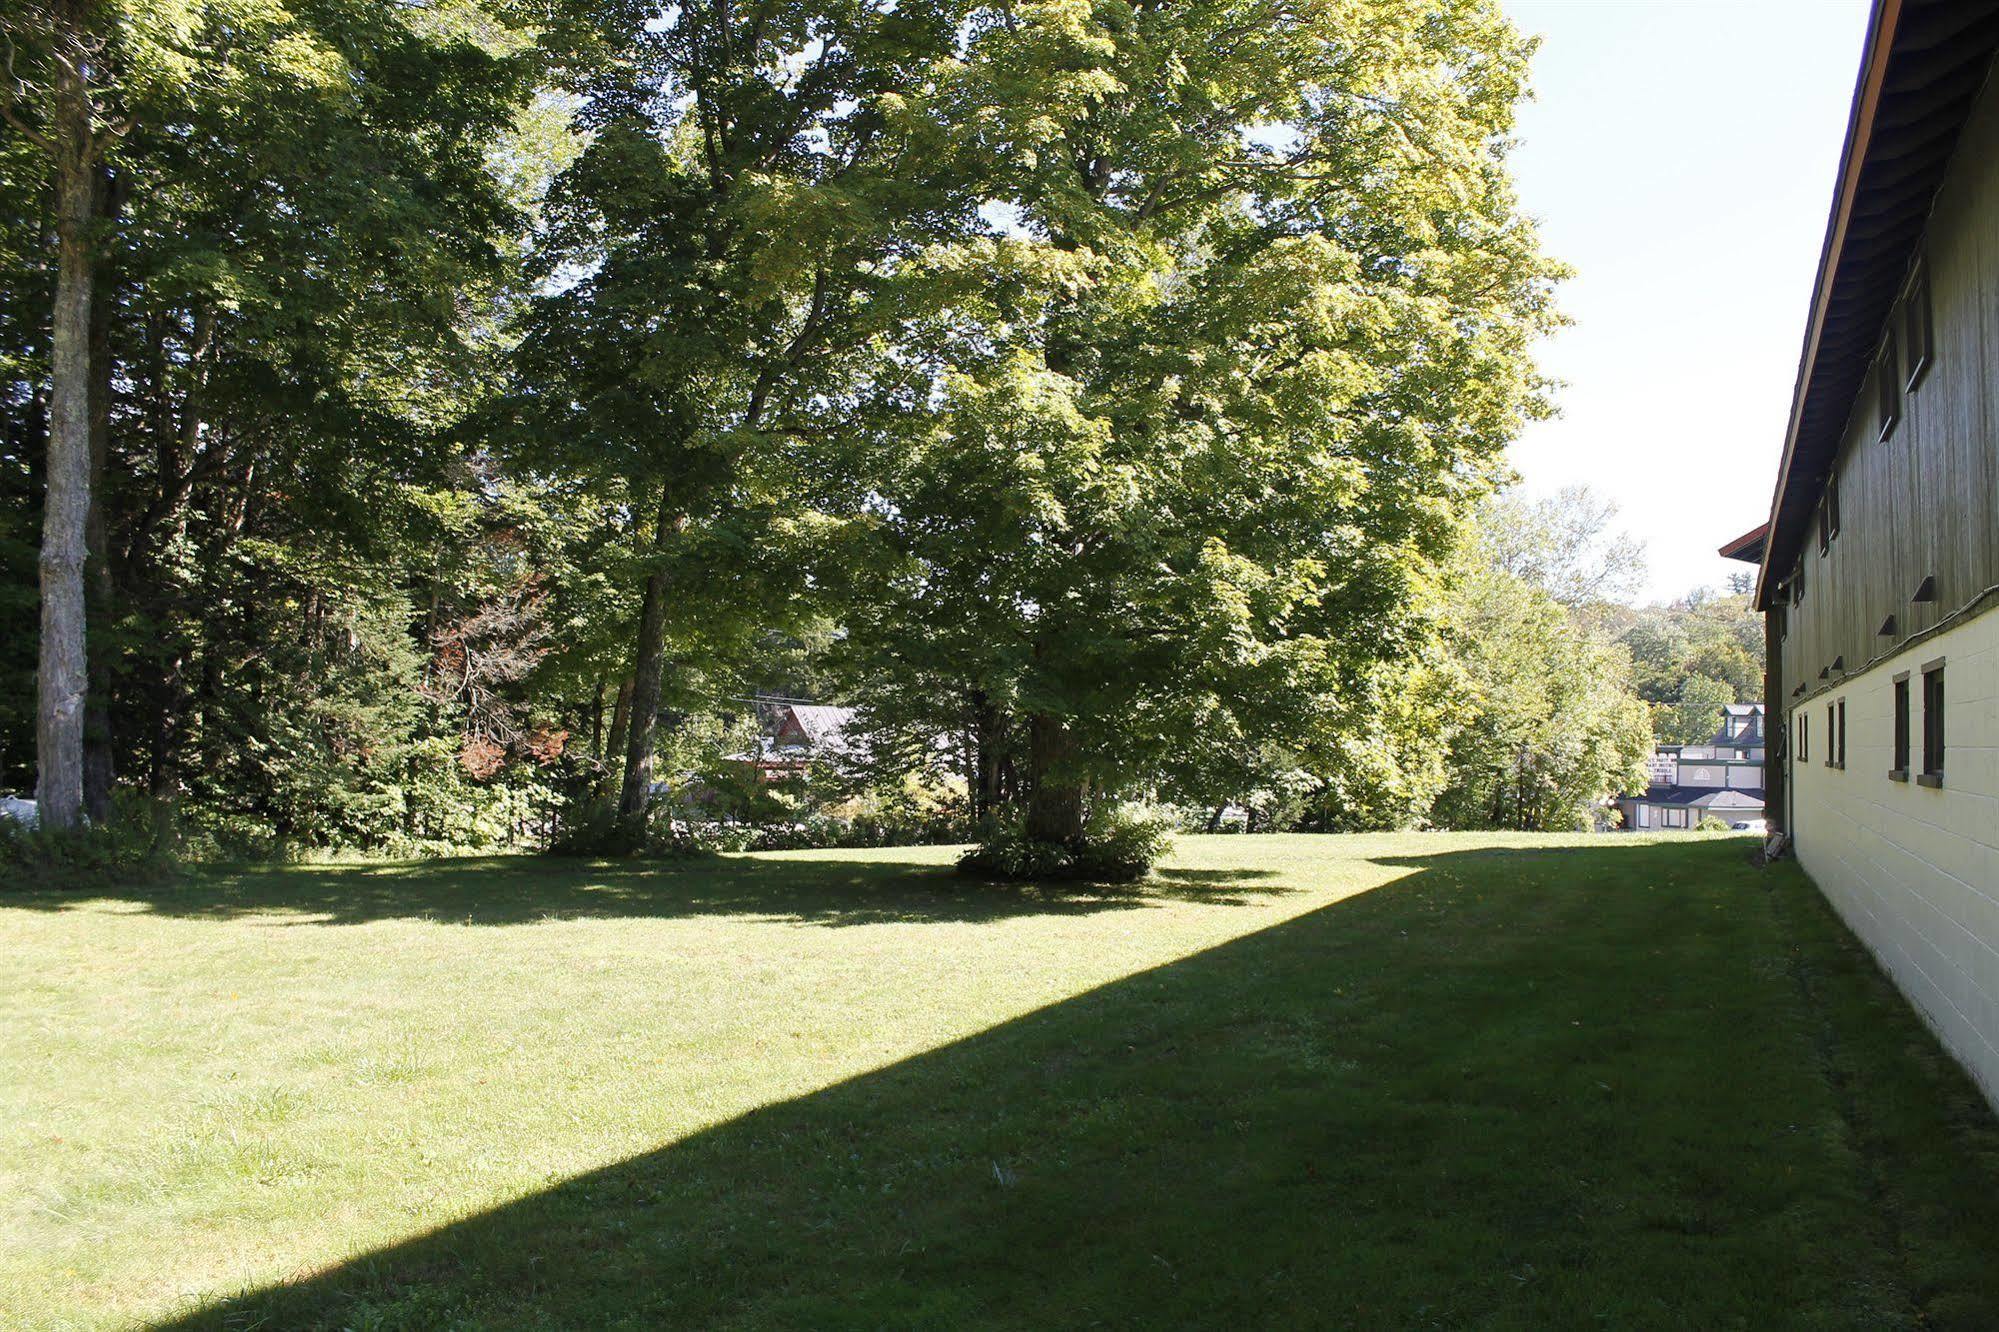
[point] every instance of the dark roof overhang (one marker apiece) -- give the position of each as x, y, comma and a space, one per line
1748, 547
1921, 70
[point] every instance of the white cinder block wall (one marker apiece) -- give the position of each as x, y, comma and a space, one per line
1915, 870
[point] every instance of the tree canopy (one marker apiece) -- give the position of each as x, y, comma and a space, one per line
1253, 329
423, 411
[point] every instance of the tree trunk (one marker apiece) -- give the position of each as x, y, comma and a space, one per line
1055, 797
99, 772
63, 679
989, 756
648, 672
614, 744
597, 724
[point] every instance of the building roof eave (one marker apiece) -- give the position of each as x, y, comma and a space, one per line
1922, 66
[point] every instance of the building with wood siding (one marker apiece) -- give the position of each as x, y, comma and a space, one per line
1879, 568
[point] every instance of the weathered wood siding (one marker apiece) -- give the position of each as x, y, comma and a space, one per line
1924, 502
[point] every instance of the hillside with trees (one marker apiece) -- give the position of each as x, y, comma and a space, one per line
1693, 656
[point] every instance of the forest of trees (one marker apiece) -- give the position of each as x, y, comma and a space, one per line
425, 423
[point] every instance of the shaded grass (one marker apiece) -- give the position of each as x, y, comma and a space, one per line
1396, 1081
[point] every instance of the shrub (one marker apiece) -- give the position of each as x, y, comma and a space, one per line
137, 843
592, 828
1119, 845
1710, 823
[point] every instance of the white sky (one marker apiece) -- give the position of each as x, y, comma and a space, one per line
1680, 155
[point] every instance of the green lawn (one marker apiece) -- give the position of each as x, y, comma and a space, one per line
1427, 1080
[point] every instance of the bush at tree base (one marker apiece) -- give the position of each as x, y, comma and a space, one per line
139, 843
1119, 845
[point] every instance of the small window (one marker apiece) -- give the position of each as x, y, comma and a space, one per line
1831, 739
1900, 772
1917, 329
1840, 734
1804, 737
1888, 385
1933, 720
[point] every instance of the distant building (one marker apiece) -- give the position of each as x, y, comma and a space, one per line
799, 735
811, 729
1722, 778
1878, 571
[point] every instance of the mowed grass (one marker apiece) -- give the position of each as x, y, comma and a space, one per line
1408, 1081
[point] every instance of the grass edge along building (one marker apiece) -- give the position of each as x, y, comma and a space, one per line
1879, 566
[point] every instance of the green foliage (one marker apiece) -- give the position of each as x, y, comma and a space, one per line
1701, 651
1550, 728
1239, 360
1119, 377
1120, 844
140, 845
1384, 760
719, 288
1694, 715
1710, 824
323, 609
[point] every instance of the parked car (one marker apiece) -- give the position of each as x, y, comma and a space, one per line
1758, 826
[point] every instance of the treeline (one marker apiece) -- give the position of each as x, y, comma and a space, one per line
1694, 656
416, 415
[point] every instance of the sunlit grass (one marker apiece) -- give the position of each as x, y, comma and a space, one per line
852, 1088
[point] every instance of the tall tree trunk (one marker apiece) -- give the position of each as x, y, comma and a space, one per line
648, 671
63, 682
597, 724
989, 755
98, 764
1055, 795
614, 744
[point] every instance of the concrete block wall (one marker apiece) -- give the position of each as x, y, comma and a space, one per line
1914, 870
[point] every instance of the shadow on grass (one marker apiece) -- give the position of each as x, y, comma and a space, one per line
509, 890
1555, 1088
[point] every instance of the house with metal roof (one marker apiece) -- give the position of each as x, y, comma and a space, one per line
1878, 570
798, 735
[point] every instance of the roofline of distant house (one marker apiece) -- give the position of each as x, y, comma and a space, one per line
1859, 131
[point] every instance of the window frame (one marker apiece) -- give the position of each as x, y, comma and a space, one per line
1918, 322
1900, 771
1888, 384
1935, 700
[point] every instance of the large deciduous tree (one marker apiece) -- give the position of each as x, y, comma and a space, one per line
1256, 322
63, 96
301, 215
722, 266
